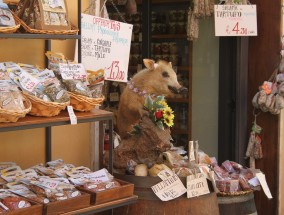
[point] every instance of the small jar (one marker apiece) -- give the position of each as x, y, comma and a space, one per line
172, 48
172, 28
172, 15
165, 48
157, 49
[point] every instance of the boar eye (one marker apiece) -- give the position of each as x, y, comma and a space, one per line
165, 74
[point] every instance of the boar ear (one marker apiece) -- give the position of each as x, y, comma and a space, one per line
150, 64
170, 64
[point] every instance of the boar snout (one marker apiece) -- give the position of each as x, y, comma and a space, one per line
182, 90
178, 90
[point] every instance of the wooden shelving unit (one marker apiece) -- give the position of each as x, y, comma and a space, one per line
31, 122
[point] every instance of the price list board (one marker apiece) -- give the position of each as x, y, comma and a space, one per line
106, 45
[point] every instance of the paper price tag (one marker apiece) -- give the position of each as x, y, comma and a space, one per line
72, 71
72, 116
197, 186
164, 174
48, 183
261, 178
235, 20
169, 189
28, 81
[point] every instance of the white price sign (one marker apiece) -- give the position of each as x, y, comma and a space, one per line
106, 45
197, 186
235, 20
72, 71
169, 189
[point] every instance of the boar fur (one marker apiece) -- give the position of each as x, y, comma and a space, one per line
156, 79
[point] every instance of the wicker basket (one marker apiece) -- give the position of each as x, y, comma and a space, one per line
11, 2
13, 116
42, 108
83, 103
238, 193
28, 29
12, 29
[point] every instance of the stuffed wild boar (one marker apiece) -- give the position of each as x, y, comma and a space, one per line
156, 79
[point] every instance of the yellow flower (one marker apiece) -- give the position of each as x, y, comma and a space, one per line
164, 103
169, 122
168, 113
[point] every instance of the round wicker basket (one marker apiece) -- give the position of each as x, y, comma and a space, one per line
13, 116
12, 29
74, 30
238, 193
83, 103
42, 108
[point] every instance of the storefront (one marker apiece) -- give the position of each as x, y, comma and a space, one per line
222, 74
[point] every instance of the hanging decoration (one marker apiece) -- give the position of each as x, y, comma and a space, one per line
270, 97
254, 148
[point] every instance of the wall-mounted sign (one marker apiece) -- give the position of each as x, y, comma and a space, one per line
235, 20
105, 44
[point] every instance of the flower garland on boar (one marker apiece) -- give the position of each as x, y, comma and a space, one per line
160, 113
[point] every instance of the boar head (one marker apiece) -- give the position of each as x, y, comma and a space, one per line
162, 79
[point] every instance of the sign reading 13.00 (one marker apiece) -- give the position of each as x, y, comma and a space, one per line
105, 44
235, 20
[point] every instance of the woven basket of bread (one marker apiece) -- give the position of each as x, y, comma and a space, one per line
14, 116
11, 29
43, 108
84, 103
74, 30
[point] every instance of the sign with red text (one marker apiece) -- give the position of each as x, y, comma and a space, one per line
235, 20
105, 44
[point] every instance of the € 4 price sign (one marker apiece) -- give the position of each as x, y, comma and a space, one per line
235, 20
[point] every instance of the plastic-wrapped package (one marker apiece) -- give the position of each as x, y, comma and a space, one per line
12, 201
228, 167
95, 187
228, 186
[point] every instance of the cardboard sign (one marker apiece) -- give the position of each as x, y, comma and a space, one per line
261, 178
197, 186
235, 20
169, 189
106, 45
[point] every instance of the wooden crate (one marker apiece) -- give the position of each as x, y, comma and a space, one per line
35, 209
125, 190
59, 207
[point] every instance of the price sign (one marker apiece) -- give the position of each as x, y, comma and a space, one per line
197, 186
72, 71
235, 20
28, 81
106, 45
169, 189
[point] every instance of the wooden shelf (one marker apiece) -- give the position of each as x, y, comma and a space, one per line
177, 100
39, 36
29, 122
105, 206
169, 36
179, 131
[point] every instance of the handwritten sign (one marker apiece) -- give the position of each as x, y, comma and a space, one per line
169, 189
197, 186
72, 71
99, 176
235, 20
106, 45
